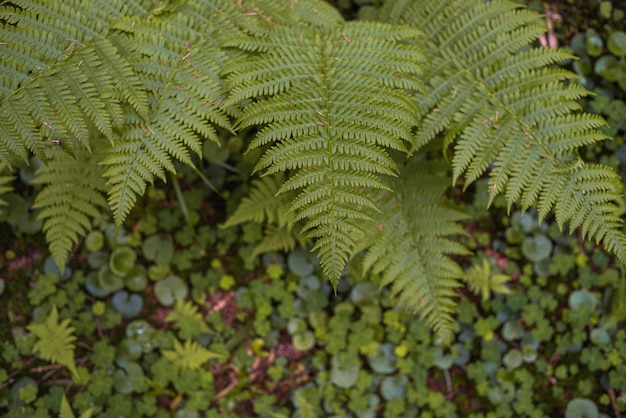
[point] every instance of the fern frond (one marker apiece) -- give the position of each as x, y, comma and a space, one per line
492, 94
332, 101
187, 319
73, 194
55, 340
266, 206
190, 355
57, 65
263, 204
411, 244
181, 78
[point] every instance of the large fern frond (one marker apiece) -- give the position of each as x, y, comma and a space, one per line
55, 340
74, 193
411, 243
507, 112
58, 69
332, 101
179, 69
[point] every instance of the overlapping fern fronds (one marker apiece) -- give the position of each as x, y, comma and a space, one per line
410, 245
144, 80
494, 96
332, 101
179, 71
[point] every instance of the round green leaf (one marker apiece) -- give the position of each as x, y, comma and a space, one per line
581, 408
384, 359
130, 349
169, 289
304, 341
392, 387
122, 260
94, 241
607, 67
345, 370
136, 279
512, 359
300, 262
617, 43
600, 336
93, 288
363, 292
536, 248
582, 299
157, 249
594, 43
296, 326
129, 305
125, 380
512, 330
443, 360
109, 281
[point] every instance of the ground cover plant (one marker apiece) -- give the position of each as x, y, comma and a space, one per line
208, 301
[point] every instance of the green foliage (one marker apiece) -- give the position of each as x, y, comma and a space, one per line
189, 355
55, 340
126, 92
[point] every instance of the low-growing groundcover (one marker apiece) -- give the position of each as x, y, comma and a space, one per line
183, 312
195, 326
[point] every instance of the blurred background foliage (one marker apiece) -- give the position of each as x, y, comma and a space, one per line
177, 317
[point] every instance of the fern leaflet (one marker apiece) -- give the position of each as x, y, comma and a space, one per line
73, 194
55, 340
190, 355
411, 243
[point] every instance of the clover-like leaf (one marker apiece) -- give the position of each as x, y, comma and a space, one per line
617, 43
129, 305
581, 408
169, 289
537, 248
345, 370
122, 260
157, 249
108, 281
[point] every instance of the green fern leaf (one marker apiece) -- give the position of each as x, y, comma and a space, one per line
55, 340
73, 194
184, 90
329, 116
187, 319
265, 206
491, 94
66, 410
190, 356
412, 241
63, 81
